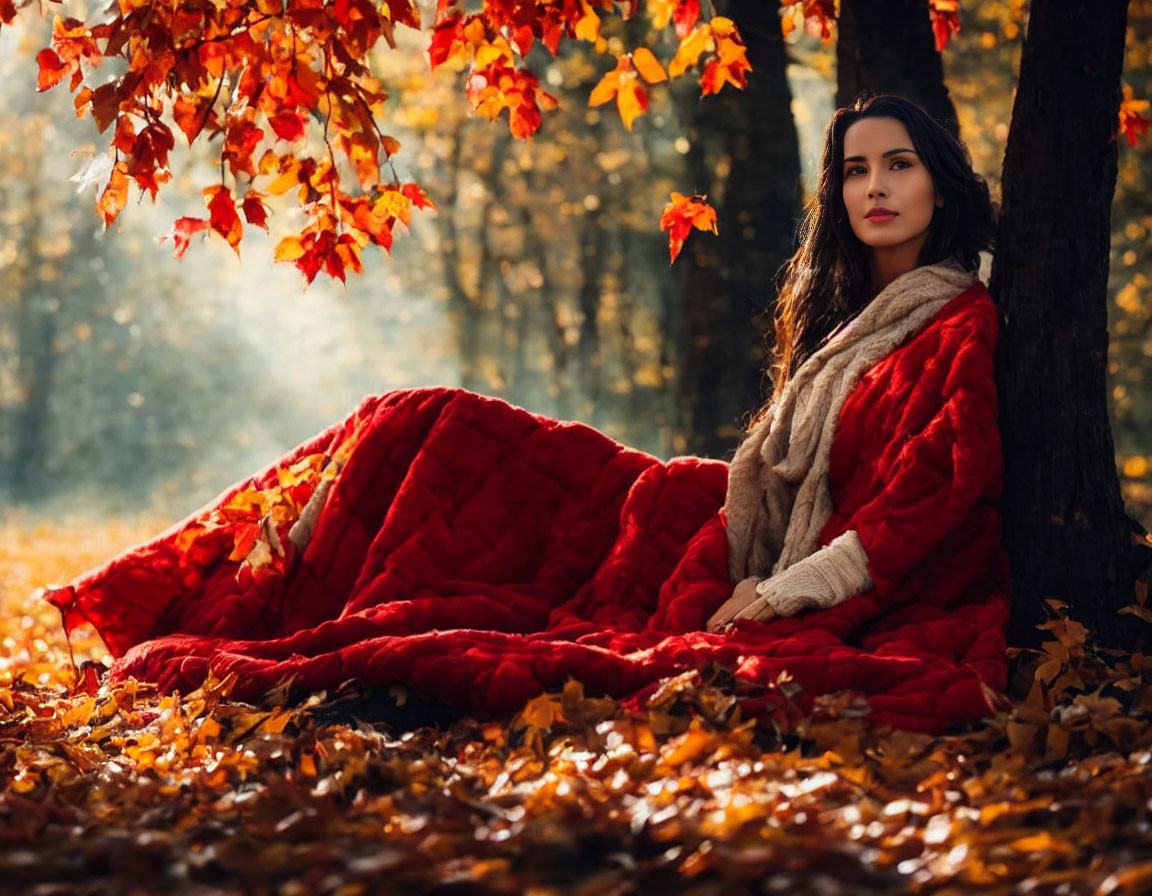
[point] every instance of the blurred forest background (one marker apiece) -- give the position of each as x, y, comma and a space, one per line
131, 382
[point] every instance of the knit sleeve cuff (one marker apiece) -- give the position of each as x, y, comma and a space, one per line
824, 579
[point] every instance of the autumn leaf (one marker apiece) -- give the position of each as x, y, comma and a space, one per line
660, 12
685, 17
681, 215
52, 69
823, 12
255, 212
191, 114
114, 195
730, 64
182, 231
623, 84
945, 16
289, 248
648, 66
1132, 123
222, 215
691, 48
288, 125
417, 196
587, 27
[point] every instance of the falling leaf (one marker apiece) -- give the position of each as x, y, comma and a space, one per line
683, 214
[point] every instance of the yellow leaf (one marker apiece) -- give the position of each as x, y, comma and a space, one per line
288, 178
289, 249
494, 52
541, 712
722, 26
660, 11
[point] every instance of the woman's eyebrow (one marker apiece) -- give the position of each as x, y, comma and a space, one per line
891, 152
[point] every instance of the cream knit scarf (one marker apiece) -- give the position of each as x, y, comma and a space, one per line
778, 498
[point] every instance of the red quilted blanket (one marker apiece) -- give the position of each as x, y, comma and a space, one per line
481, 554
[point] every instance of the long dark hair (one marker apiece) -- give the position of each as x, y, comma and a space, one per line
828, 281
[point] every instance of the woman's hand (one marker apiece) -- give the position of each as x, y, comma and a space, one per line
744, 603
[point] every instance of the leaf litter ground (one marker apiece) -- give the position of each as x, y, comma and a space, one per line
119, 789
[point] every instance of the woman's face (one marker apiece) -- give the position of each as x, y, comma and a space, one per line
888, 191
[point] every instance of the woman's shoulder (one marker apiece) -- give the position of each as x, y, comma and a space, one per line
970, 314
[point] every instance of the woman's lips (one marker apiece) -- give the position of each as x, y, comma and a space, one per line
880, 219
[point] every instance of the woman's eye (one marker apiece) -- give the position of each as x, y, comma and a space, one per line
901, 163
855, 169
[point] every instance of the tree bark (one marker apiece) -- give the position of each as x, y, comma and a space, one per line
726, 281
1065, 527
887, 46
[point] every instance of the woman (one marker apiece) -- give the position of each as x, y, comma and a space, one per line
481, 554
896, 193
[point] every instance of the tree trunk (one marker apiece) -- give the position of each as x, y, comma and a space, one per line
726, 281
887, 46
1065, 528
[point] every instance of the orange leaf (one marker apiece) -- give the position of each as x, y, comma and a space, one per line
648, 66
245, 540
223, 217
632, 101
681, 215
587, 27
605, 89
1132, 123
114, 196
190, 114
691, 47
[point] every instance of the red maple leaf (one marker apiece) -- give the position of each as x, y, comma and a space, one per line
681, 215
181, 233
1132, 123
